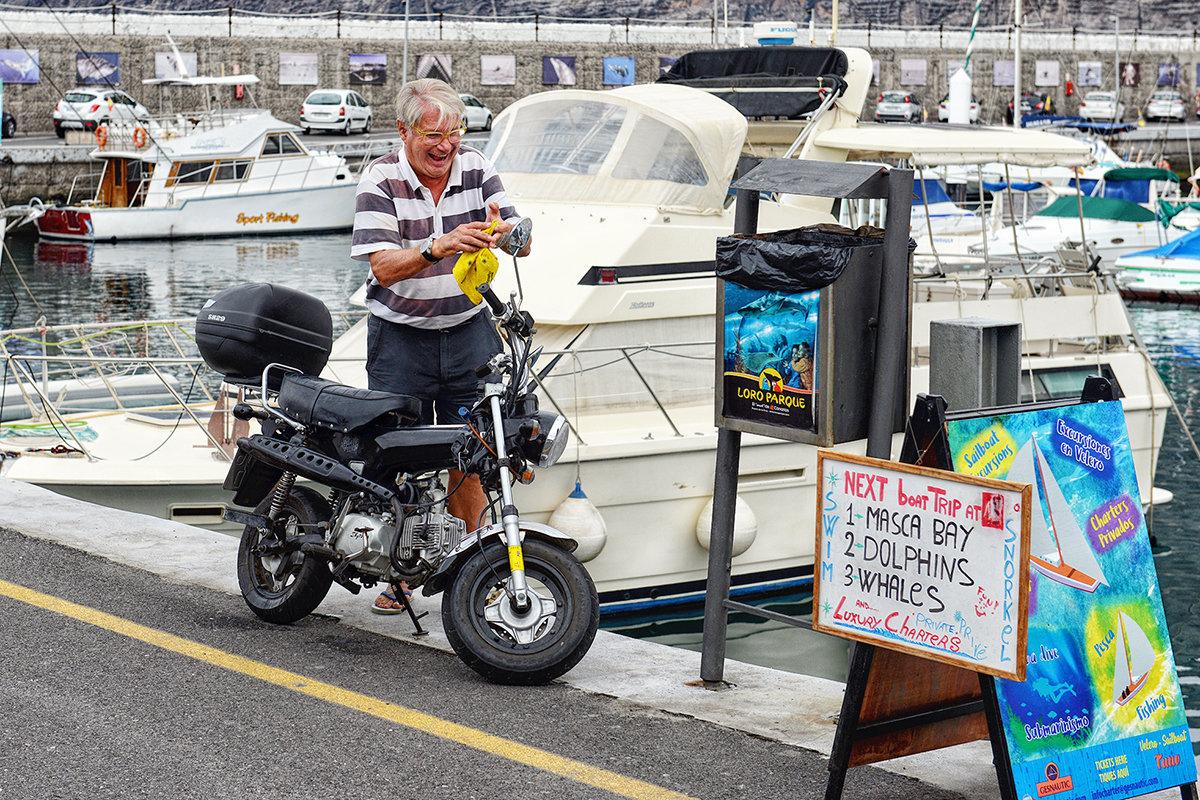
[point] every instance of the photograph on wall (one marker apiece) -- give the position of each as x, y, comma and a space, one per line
770, 359
618, 71
665, 63
1131, 73
498, 70
1100, 713
435, 65
1089, 73
19, 66
297, 69
98, 68
913, 71
953, 65
875, 71
166, 65
558, 70
1168, 74
1004, 73
1046, 73
368, 69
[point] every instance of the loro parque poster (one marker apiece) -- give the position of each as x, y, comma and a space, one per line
1100, 713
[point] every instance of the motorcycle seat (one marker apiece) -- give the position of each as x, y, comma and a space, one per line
315, 401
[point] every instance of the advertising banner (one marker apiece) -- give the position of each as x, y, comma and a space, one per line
1100, 713
770, 359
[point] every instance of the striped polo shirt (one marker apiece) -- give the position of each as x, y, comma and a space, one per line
394, 211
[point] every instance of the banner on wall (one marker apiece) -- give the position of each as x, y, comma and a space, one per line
368, 69
297, 69
498, 70
19, 66
618, 71
166, 65
97, 68
1100, 713
558, 70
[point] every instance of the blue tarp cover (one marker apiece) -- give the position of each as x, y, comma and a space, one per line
1186, 246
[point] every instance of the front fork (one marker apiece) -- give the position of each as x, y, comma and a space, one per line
508, 509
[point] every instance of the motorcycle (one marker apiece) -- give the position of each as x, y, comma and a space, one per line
517, 606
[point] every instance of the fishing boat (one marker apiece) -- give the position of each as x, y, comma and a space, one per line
251, 176
1058, 547
628, 190
1133, 659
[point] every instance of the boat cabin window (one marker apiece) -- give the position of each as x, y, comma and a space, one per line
570, 137
190, 172
1061, 383
281, 144
658, 152
231, 171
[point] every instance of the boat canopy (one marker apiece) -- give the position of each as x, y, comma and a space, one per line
1098, 208
1186, 246
238, 139
936, 145
763, 81
653, 144
1140, 174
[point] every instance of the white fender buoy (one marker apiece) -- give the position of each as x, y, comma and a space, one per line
579, 519
745, 525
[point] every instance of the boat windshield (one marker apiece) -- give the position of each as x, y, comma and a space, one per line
596, 151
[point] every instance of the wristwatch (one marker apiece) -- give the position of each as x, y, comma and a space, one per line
427, 249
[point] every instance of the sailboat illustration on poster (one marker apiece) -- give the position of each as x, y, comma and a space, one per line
1058, 547
1134, 658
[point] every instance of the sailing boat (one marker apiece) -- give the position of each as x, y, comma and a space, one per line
1134, 658
1058, 547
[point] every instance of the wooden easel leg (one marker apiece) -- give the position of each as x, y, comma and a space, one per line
991, 708
861, 656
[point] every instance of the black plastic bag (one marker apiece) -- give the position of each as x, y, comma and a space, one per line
796, 260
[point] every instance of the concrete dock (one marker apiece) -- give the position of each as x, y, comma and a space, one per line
627, 721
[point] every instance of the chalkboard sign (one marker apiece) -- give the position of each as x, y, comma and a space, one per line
923, 561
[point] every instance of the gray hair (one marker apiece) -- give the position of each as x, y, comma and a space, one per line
420, 96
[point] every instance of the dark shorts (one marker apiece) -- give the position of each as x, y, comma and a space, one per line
436, 366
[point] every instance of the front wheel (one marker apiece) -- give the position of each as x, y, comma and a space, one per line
283, 586
367, 126
508, 645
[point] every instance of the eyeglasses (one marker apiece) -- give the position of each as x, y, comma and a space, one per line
434, 138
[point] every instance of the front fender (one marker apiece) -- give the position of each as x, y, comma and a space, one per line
450, 564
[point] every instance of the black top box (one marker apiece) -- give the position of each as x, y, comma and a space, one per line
243, 329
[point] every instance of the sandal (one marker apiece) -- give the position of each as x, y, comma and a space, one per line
387, 603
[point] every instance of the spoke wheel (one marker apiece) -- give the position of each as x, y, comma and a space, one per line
279, 585
506, 644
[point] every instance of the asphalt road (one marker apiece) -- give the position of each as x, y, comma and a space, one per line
182, 692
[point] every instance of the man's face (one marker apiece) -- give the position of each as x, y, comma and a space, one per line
430, 161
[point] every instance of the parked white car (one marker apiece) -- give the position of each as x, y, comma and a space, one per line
86, 108
479, 116
1165, 104
1098, 107
944, 110
898, 107
335, 110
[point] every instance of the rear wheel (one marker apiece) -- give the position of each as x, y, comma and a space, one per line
508, 645
346, 128
279, 585
10, 127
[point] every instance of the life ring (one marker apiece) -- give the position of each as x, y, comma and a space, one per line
1164, 164
139, 136
102, 135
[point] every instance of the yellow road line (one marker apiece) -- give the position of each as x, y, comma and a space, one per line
495, 745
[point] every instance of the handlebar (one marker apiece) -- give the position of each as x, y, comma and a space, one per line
519, 322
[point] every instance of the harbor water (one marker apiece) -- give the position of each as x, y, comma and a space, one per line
61, 283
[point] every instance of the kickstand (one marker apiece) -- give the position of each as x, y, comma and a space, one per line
413, 615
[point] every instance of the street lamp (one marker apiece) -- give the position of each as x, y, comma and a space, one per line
1116, 66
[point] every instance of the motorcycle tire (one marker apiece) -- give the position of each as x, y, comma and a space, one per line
283, 589
493, 639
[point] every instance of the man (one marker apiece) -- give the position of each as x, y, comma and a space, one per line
416, 210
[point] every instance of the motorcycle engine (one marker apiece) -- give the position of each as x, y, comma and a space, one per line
366, 541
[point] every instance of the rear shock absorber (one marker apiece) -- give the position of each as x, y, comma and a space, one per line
281, 492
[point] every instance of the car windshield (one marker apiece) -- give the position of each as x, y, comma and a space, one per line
323, 99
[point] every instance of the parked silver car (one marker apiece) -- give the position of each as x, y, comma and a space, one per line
85, 109
1165, 104
335, 110
944, 110
1098, 106
898, 107
478, 116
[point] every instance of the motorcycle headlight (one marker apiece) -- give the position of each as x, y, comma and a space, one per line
547, 444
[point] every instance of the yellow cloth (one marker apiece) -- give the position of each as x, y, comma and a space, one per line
473, 269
